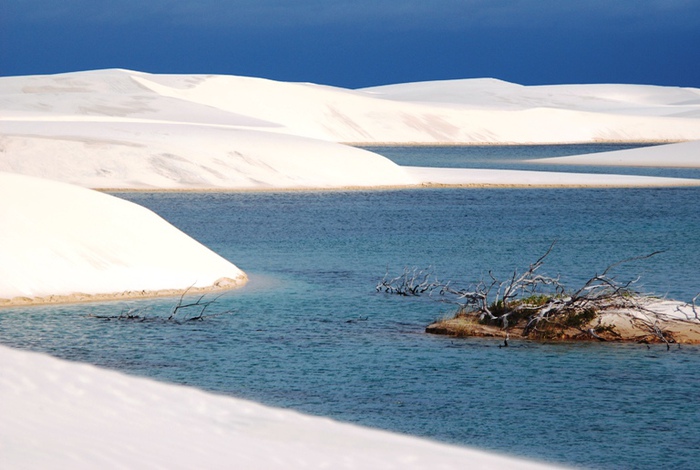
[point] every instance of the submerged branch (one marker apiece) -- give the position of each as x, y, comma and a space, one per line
177, 312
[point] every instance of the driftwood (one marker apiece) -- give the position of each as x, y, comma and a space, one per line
411, 281
197, 304
538, 306
179, 313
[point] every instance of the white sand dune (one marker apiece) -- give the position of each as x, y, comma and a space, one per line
125, 129
680, 155
488, 93
63, 240
414, 115
148, 155
58, 415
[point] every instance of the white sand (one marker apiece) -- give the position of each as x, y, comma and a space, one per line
674, 310
489, 93
125, 129
143, 155
59, 239
681, 155
62, 415
519, 178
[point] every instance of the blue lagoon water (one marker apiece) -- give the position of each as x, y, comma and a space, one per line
520, 157
310, 333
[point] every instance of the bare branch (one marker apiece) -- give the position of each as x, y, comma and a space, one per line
539, 303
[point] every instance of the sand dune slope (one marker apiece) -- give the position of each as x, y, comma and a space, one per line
680, 155
57, 415
126, 129
63, 240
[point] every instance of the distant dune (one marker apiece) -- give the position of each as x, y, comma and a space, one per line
125, 129
681, 155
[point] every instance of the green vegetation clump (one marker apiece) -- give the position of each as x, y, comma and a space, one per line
540, 315
515, 311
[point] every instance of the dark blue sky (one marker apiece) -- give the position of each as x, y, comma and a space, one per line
356, 43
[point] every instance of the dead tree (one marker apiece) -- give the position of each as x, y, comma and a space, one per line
412, 281
538, 303
197, 304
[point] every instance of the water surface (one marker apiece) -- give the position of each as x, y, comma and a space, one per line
310, 333
515, 157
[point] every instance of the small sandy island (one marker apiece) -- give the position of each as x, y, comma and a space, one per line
657, 321
535, 306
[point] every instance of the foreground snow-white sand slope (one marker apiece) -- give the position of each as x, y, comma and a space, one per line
58, 415
61, 242
126, 129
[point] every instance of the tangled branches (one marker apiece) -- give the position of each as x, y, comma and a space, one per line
411, 281
538, 305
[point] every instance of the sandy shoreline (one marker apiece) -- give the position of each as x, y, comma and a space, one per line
391, 188
221, 285
513, 144
682, 332
669, 182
